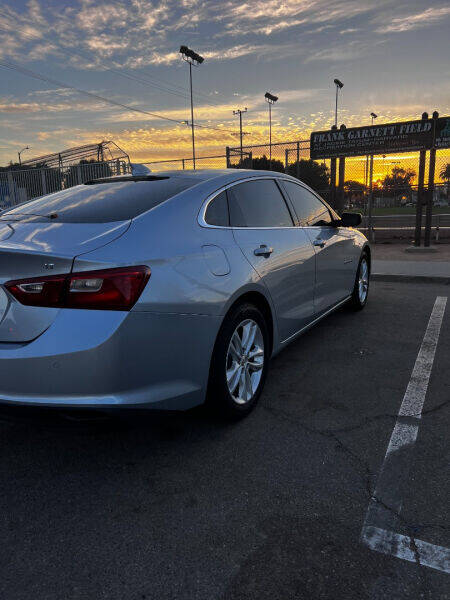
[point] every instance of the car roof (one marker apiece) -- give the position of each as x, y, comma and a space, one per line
207, 174
203, 180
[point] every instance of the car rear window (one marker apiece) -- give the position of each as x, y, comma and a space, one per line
102, 202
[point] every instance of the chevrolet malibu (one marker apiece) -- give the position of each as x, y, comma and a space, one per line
168, 290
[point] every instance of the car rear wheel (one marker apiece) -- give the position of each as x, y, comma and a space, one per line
361, 287
239, 362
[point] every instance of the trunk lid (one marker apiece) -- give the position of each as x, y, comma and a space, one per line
30, 247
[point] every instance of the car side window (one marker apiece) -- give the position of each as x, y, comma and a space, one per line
310, 210
258, 203
217, 211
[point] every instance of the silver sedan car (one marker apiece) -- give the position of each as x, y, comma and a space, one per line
168, 290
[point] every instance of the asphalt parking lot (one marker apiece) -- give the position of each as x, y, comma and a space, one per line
185, 507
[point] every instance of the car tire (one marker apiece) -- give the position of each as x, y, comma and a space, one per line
360, 292
239, 363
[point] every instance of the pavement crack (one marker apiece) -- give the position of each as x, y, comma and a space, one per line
435, 408
364, 471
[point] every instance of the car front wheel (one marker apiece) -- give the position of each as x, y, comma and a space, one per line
361, 287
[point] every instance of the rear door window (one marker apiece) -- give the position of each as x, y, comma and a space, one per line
258, 203
101, 202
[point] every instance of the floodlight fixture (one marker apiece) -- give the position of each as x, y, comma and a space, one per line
190, 56
270, 98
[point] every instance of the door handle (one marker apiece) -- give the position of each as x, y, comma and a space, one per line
263, 250
320, 243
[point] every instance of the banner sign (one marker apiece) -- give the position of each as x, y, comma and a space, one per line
404, 136
442, 139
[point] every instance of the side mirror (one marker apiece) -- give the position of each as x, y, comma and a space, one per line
350, 219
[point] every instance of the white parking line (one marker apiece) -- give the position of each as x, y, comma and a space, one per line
384, 509
401, 546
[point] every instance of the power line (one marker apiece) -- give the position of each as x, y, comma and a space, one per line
144, 81
38, 76
35, 75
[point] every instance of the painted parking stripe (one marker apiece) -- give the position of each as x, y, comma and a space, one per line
383, 515
401, 546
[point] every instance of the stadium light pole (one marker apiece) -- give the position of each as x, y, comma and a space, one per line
19, 153
339, 85
374, 116
240, 113
192, 58
270, 99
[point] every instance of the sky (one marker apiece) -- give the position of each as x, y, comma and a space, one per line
392, 56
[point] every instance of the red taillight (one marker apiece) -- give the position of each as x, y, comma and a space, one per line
108, 289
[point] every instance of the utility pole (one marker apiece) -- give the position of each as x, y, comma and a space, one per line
192, 58
240, 112
270, 99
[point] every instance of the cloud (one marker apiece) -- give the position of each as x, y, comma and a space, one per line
135, 33
272, 16
415, 21
8, 106
350, 51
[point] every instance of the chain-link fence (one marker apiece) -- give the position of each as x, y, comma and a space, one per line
201, 162
395, 176
285, 157
25, 184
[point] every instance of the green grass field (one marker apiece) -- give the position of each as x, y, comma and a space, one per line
405, 210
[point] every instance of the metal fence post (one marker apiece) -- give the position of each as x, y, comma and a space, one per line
182, 162
286, 160
340, 199
333, 182
418, 228
44, 182
369, 219
11, 188
431, 173
227, 152
429, 209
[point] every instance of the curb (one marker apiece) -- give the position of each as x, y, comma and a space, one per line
410, 278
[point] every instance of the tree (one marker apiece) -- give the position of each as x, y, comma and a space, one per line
260, 164
312, 173
398, 182
445, 175
355, 192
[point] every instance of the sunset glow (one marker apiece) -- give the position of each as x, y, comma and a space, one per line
128, 52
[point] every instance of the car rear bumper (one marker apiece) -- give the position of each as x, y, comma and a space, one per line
109, 359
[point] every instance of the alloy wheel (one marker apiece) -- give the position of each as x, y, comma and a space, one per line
363, 281
245, 361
